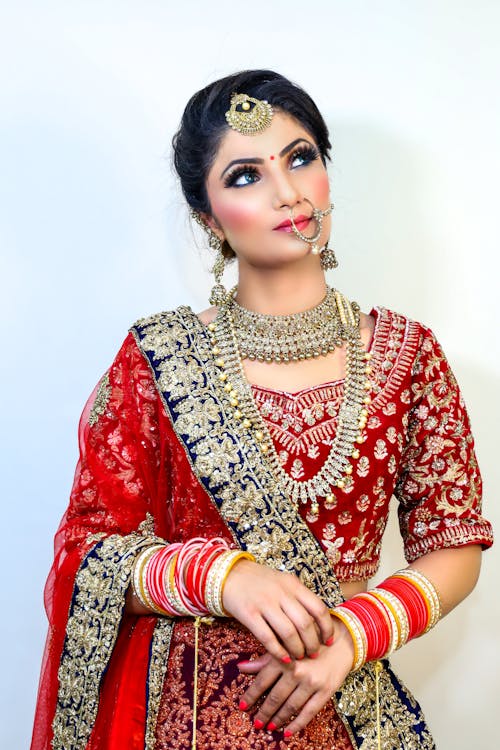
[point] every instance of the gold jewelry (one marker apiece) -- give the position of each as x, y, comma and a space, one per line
139, 579
327, 258
248, 115
428, 592
288, 338
357, 634
352, 418
397, 617
216, 579
317, 214
218, 293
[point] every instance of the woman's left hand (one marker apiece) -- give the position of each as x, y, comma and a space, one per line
297, 691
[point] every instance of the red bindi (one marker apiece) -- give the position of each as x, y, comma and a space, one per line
271, 157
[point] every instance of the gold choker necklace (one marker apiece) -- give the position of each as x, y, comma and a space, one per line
287, 338
335, 473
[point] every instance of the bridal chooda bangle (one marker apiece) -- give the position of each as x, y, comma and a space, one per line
185, 579
381, 620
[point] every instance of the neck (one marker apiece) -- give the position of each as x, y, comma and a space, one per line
280, 292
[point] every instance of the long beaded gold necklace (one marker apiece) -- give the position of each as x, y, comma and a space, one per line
352, 416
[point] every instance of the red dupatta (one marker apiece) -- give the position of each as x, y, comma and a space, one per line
131, 470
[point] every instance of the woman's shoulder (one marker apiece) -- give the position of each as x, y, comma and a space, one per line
164, 318
386, 320
400, 344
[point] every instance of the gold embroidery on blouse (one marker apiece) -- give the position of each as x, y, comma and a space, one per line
101, 400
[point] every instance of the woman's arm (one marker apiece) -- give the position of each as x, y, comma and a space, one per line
302, 688
454, 573
283, 614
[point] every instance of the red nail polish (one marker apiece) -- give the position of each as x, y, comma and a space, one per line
330, 641
286, 659
243, 705
299, 658
258, 724
287, 733
314, 656
243, 664
272, 726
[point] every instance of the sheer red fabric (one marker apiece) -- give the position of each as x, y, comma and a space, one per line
131, 464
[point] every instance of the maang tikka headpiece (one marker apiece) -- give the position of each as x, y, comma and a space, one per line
248, 115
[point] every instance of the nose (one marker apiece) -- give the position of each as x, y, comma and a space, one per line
286, 191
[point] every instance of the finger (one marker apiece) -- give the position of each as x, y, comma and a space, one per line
255, 665
263, 681
265, 634
306, 627
286, 631
275, 700
304, 715
319, 612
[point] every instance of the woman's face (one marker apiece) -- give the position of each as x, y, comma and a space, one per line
254, 183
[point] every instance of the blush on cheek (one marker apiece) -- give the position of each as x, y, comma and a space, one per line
320, 188
235, 217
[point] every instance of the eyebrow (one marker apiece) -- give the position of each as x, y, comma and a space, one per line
256, 160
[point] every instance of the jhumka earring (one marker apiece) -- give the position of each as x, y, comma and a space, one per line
327, 258
219, 293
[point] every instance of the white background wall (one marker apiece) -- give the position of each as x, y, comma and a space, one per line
93, 234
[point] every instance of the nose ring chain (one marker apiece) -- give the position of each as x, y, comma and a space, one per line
317, 214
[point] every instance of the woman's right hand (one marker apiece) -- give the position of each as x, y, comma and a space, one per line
283, 614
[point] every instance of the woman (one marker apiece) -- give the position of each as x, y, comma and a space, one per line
240, 463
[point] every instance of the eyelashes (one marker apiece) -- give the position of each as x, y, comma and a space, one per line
235, 178
247, 174
306, 153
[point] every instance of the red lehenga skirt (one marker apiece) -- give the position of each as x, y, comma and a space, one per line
220, 724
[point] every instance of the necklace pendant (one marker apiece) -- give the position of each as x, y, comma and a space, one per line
313, 513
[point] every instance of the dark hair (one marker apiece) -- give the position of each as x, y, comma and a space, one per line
204, 123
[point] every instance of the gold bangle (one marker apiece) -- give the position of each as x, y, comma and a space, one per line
357, 634
216, 578
395, 607
139, 579
428, 591
171, 589
232, 563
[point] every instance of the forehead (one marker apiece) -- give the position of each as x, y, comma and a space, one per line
283, 130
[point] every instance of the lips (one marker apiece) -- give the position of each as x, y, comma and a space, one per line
300, 222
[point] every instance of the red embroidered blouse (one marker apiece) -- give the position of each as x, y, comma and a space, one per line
419, 447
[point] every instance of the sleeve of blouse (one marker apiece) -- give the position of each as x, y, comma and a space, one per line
439, 485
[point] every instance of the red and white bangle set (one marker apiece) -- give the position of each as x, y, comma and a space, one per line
185, 579
383, 619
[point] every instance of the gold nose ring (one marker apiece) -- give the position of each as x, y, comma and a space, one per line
318, 214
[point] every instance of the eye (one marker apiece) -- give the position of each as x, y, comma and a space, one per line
303, 155
241, 177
